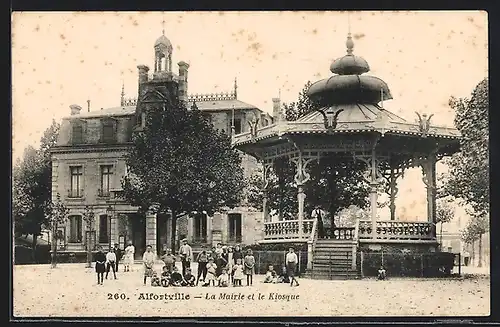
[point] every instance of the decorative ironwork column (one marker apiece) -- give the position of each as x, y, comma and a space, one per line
428, 166
373, 176
301, 177
265, 209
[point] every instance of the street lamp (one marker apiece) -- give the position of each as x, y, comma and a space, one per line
109, 212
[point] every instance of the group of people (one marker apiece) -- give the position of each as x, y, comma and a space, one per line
104, 263
220, 266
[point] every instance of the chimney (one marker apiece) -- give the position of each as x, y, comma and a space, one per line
183, 81
88, 105
276, 110
143, 77
75, 109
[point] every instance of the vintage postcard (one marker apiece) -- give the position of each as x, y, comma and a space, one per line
250, 164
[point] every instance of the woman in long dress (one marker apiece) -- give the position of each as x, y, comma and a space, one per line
128, 260
148, 260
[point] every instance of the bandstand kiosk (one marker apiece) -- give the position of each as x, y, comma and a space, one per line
353, 124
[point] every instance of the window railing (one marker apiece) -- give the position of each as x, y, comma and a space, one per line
103, 193
75, 194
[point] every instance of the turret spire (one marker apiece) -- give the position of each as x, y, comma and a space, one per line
163, 26
235, 88
122, 100
349, 43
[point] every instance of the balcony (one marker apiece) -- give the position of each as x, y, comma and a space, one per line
103, 193
75, 194
396, 230
288, 230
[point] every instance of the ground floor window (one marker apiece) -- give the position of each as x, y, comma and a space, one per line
234, 227
75, 229
103, 229
200, 227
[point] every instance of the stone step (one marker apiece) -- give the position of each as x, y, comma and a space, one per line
323, 276
332, 262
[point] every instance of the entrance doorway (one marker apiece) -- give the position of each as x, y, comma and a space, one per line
138, 223
162, 233
234, 232
200, 228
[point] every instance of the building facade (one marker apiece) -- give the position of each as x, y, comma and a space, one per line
88, 165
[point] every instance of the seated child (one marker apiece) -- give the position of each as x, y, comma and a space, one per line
155, 280
211, 267
238, 273
189, 279
271, 276
223, 278
283, 277
176, 277
169, 260
165, 277
381, 273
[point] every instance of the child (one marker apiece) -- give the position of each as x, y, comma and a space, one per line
128, 257
165, 277
230, 263
283, 277
189, 279
381, 273
211, 267
169, 260
223, 279
220, 262
238, 273
155, 280
291, 260
249, 266
176, 277
111, 262
271, 276
148, 260
100, 260
202, 260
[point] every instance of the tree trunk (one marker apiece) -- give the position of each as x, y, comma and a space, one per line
173, 233
89, 252
33, 248
473, 253
480, 249
441, 237
53, 246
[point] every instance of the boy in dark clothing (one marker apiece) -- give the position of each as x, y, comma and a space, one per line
176, 277
189, 279
169, 260
202, 260
283, 277
165, 277
119, 254
381, 273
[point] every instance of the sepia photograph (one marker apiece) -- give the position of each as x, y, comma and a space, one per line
250, 164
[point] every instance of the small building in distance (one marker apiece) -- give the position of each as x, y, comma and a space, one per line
88, 165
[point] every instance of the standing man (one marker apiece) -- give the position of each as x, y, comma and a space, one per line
118, 253
291, 260
186, 254
318, 215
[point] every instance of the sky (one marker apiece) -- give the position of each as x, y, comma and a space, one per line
64, 58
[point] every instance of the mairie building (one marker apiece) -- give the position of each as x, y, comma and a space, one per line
88, 166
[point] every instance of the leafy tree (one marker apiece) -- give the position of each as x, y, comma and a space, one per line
477, 226
468, 176
32, 178
302, 107
88, 218
444, 214
179, 164
57, 214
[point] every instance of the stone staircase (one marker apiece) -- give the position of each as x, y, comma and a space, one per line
332, 259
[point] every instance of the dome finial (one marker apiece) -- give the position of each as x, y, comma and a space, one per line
163, 27
349, 43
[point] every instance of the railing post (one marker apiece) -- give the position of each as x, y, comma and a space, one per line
421, 265
309, 254
361, 263
459, 264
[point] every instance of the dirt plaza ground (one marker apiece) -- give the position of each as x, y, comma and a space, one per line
71, 290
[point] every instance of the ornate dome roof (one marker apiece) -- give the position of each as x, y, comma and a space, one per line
163, 40
349, 85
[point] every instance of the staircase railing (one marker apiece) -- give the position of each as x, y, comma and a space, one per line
310, 244
355, 244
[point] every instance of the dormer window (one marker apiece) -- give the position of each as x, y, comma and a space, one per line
77, 132
108, 130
